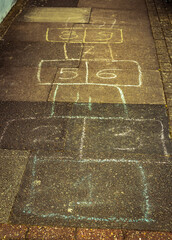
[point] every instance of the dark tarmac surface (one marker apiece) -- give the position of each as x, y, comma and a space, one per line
84, 132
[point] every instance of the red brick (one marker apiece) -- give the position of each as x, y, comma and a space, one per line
99, 234
8, 231
38, 232
136, 235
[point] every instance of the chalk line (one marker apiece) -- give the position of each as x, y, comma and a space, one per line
30, 209
53, 103
82, 139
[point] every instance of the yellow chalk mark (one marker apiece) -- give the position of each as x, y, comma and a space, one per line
73, 38
65, 52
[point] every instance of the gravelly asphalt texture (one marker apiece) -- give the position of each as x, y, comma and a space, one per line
84, 126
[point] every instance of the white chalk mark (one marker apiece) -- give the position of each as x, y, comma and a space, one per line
39, 71
90, 104
86, 82
123, 101
125, 133
163, 140
67, 21
110, 50
82, 139
145, 191
162, 134
106, 74
89, 51
113, 23
65, 52
77, 98
86, 78
53, 103
69, 71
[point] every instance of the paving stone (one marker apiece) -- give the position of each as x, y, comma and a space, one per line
167, 76
169, 101
164, 58
163, 17
136, 235
165, 66
168, 41
12, 231
36, 232
151, 6
160, 46
13, 165
154, 19
157, 33
71, 15
168, 88
94, 234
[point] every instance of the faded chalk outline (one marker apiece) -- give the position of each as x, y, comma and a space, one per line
30, 209
162, 135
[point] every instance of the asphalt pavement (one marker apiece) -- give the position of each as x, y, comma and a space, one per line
85, 123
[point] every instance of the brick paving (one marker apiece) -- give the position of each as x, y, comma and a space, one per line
41, 232
160, 15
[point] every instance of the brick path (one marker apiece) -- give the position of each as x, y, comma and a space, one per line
160, 15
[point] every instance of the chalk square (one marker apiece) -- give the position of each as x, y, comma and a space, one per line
65, 35
115, 73
78, 193
34, 133
104, 138
103, 35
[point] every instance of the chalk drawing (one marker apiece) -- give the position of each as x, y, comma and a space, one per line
160, 134
85, 181
69, 71
31, 209
84, 35
47, 134
134, 63
82, 139
88, 51
107, 73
